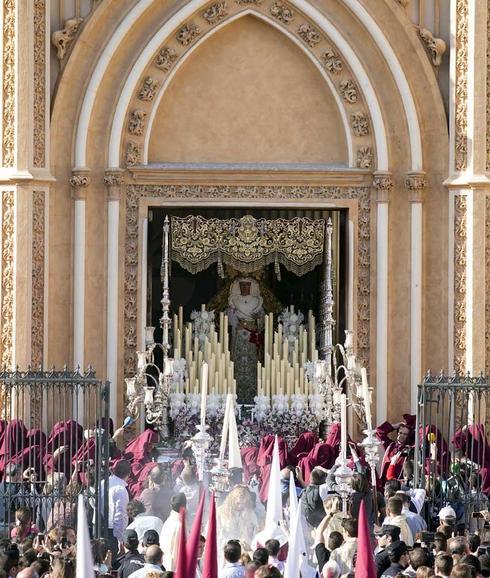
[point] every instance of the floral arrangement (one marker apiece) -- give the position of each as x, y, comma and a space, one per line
291, 322
287, 416
202, 321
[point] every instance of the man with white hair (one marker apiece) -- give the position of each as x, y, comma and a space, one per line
331, 570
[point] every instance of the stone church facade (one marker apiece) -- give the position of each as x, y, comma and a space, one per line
380, 107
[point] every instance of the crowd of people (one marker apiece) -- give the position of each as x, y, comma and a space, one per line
282, 503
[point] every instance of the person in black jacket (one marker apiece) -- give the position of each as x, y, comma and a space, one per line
131, 560
386, 536
398, 555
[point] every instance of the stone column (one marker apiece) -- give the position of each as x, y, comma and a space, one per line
416, 184
79, 182
383, 184
24, 180
469, 186
113, 180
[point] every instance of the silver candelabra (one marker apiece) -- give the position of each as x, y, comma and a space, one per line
151, 385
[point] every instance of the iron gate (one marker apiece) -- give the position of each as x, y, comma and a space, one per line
54, 444
452, 447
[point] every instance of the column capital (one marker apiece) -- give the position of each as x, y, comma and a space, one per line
113, 180
79, 182
416, 183
383, 183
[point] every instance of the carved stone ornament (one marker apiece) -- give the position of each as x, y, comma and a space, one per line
461, 89
359, 123
309, 34
248, 2
282, 12
460, 290
435, 46
403, 3
416, 183
166, 58
113, 180
8, 277
39, 76
188, 33
148, 89
365, 158
348, 91
61, 39
383, 183
216, 12
136, 193
38, 271
8, 82
136, 123
79, 181
332, 61
133, 154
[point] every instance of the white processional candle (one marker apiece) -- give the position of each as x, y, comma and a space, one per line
366, 397
226, 422
204, 393
343, 426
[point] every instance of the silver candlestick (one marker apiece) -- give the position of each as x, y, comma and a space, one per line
200, 447
343, 477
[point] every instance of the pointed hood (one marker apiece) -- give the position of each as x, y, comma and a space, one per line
210, 564
194, 537
234, 457
85, 562
365, 567
181, 570
273, 519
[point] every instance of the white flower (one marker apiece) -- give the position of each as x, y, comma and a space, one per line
280, 403
194, 403
298, 404
317, 405
214, 404
262, 407
177, 402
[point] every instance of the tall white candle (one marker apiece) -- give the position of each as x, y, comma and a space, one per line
226, 421
343, 426
204, 392
366, 397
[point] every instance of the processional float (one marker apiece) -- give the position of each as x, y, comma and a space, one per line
291, 373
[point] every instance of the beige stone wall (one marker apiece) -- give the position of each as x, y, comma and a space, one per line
248, 93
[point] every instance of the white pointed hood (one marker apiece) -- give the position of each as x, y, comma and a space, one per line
234, 457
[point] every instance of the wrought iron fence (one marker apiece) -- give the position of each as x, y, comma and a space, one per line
54, 445
452, 451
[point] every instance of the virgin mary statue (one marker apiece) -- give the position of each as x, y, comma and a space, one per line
246, 315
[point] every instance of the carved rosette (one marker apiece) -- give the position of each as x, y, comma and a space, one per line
38, 271
365, 157
8, 82
460, 260
166, 58
136, 123
79, 182
309, 34
113, 181
39, 117
8, 278
383, 183
416, 183
188, 33
332, 62
282, 12
216, 12
148, 89
461, 90
133, 154
135, 193
348, 91
360, 123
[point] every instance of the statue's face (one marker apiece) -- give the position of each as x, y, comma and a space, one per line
245, 288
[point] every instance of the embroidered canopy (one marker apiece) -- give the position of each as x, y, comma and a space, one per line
247, 244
